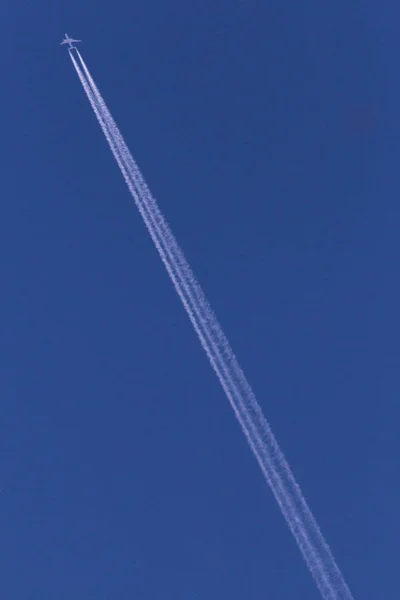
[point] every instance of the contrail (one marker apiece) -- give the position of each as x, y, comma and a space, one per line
273, 464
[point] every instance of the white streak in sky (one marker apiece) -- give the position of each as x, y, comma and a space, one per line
274, 466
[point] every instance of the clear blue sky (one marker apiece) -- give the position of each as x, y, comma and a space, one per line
270, 134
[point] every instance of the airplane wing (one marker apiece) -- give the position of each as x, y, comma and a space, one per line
69, 41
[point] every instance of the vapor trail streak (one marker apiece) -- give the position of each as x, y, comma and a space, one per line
248, 412
205, 322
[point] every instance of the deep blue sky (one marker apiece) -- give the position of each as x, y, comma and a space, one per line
270, 134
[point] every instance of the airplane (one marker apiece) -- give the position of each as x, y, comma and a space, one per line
69, 41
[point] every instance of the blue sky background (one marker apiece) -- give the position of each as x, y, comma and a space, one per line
269, 132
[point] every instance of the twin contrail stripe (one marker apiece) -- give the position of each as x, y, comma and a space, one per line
274, 466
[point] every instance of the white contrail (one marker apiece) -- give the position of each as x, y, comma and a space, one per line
258, 433
102, 121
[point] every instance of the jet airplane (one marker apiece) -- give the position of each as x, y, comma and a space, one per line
69, 41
